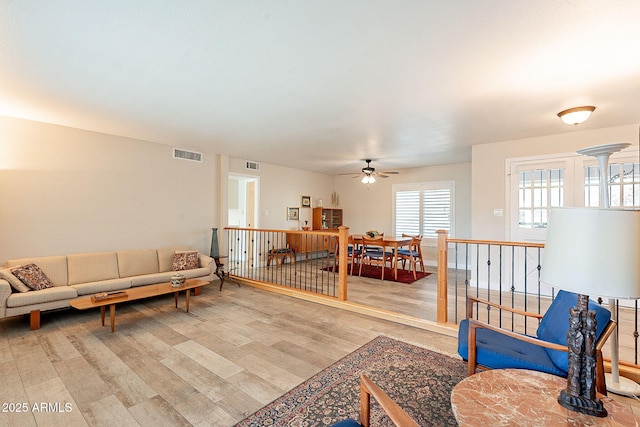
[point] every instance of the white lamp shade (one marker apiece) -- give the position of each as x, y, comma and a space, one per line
593, 252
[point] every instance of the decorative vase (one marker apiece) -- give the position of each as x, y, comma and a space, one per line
178, 280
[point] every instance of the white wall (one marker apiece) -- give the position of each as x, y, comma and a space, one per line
65, 190
489, 176
281, 187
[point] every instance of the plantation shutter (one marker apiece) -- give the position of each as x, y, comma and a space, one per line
408, 212
436, 212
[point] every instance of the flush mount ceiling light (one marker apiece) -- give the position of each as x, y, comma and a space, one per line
577, 115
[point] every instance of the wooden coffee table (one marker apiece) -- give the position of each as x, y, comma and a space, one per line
84, 303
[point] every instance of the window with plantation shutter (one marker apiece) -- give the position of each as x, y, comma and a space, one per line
407, 212
436, 211
423, 208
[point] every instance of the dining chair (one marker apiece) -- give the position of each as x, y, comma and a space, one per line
354, 252
373, 253
413, 254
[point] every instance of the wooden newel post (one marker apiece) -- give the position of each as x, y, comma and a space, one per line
442, 259
343, 242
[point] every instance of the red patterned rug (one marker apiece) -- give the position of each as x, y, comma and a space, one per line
419, 380
375, 272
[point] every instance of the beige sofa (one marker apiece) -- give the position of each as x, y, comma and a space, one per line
76, 275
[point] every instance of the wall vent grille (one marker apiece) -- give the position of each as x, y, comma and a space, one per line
187, 155
254, 166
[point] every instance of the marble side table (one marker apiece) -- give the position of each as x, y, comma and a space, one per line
518, 397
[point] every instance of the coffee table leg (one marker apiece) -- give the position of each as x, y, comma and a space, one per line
112, 316
188, 294
175, 297
102, 312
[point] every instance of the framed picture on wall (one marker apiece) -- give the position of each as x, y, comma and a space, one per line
306, 201
293, 214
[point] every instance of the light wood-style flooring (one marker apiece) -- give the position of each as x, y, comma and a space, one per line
234, 352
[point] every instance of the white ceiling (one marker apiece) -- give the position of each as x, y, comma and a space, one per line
321, 84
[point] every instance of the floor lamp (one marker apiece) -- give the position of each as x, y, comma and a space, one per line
615, 383
590, 251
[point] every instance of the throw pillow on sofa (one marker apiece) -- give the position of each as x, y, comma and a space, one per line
185, 260
32, 276
15, 283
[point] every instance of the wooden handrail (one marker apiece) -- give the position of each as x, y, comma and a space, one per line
442, 265
495, 242
272, 230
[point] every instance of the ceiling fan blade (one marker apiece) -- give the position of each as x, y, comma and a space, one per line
390, 173
380, 175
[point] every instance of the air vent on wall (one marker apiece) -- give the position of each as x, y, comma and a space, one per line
187, 155
254, 166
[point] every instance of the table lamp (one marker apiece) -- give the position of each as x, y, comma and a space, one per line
590, 252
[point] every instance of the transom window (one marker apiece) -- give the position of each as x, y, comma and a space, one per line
624, 185
539, 190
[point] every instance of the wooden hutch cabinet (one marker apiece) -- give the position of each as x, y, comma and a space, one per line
307, 243
326, 218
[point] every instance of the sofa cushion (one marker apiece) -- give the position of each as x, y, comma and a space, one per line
196, 272
185, 260
137, 262
555, 323
32, 276
92, 267
55, 267
165, 257
55, 293
151, 279
15, 283
102, 286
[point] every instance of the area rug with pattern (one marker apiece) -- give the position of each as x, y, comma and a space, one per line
375, 272
419, 380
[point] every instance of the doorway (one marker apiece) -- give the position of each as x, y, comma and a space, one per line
243, 201
242, 211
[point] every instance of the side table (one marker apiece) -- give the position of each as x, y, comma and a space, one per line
505, 397
221, 272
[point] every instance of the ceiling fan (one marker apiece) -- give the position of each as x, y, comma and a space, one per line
369, 173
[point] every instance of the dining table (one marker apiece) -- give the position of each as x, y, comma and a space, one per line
394, 242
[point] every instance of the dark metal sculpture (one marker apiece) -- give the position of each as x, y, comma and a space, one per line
580, 394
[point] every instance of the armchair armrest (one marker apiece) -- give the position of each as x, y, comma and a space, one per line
367, 389
208, 262
473, 300
5, 292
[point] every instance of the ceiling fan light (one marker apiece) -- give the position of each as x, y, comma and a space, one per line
577, 115
368, 179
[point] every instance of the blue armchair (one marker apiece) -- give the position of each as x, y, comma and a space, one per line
487, 346
368, 389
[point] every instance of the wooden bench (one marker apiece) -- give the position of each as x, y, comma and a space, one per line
279, 256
